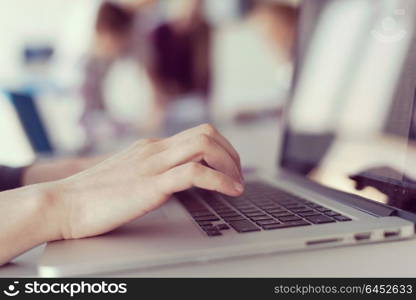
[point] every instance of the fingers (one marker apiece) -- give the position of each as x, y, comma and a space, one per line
209, 130
196, 175
198, 149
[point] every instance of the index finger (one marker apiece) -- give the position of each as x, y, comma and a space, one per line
211, 131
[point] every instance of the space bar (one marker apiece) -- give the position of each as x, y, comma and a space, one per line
243, 226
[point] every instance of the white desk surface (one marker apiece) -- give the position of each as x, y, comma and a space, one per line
393, 259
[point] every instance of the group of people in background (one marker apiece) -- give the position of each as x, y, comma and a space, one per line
175, 54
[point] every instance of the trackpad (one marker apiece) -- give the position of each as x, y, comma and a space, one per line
144, 223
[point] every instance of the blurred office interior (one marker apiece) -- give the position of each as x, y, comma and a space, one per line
78, 75
84, 77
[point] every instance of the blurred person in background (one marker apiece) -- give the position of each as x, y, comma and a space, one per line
119, 33
175, 54
257, 53
278, 22
179, 67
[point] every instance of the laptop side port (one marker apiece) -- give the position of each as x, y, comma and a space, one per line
391, 233
323, 241
362, 236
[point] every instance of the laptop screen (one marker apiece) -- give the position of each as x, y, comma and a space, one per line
350, 125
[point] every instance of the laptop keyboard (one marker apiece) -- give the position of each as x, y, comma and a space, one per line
261, 207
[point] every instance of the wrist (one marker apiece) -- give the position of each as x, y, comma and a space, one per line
32, 216
51, 211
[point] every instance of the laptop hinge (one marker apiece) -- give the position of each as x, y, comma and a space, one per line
368, 206
358, 202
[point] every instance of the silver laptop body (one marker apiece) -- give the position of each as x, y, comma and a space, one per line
313, 159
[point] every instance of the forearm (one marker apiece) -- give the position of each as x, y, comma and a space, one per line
28, 218
58, 169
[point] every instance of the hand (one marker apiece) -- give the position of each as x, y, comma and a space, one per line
141, 178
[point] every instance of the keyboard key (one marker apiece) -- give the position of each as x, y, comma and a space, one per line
259, 218
229, 214
235, 218
267, 206
300, 209
267, 209
243, 226
261, 200
282, 214
332, 213
203, 223
255, 214
320, 219
285, 225
239, 202
313, 205
220, 209
249, 209
342, 218
295, 205
213, 232
285, 201
203, 214
266, 222
222, 226
202, 210
214, 218
275, 210
308, 214
207, 227
224, 210
322, 209
245, 207
299, 206
289, 219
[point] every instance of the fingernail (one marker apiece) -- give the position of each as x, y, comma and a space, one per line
238, 187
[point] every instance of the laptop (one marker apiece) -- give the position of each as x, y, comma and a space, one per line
341, 179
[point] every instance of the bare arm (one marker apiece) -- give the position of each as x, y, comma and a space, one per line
57, 169
117, 190
27, 220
